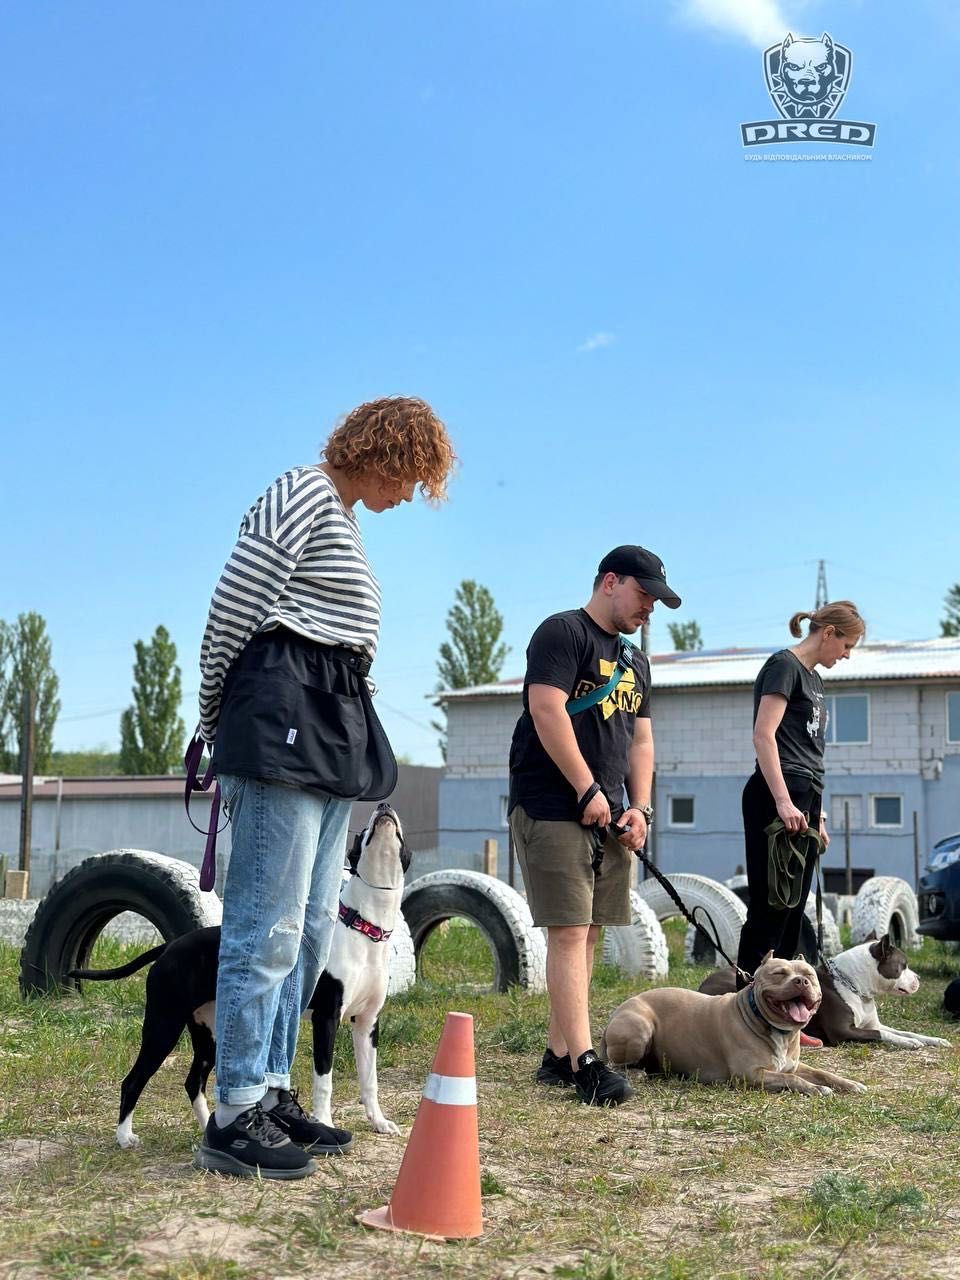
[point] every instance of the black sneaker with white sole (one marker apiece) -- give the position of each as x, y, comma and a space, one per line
252, 1146
597, 1085
555, 1070
306, 1130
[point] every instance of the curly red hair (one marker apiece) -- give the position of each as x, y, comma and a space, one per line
398, 438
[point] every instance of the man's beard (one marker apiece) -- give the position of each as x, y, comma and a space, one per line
628, 625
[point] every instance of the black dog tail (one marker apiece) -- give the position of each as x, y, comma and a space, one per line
106, 975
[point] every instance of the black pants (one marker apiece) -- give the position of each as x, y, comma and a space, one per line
766, 928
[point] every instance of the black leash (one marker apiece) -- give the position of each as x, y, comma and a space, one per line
599, 837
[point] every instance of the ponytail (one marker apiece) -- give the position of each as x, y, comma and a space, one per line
794, 623
842, 615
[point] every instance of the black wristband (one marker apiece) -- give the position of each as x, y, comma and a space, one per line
587, 796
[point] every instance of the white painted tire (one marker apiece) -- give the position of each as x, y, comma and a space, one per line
640, 947
886, 904
501, 914
724, 907
844, 911
832, 946
403, 958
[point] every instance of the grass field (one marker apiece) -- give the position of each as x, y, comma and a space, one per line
685, 1182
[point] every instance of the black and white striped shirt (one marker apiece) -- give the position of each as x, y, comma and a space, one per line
299, 563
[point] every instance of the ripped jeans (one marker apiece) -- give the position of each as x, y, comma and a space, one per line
279, 911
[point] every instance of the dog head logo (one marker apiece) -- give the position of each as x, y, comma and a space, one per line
807, 78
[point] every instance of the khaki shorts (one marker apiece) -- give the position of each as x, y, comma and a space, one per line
555, 858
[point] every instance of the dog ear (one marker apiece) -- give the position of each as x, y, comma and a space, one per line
768, 956
886, 944
405, 856
353, 857
871, 936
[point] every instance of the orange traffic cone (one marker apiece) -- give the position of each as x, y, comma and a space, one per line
438, 1187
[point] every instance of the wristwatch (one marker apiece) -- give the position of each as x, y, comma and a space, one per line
646, 810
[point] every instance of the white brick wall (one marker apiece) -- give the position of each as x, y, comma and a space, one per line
707, 733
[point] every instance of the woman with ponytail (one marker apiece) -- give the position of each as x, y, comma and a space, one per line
789, 725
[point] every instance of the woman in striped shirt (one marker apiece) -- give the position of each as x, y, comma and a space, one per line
291, 633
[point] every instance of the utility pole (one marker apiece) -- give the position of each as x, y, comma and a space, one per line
26, 779
822, 596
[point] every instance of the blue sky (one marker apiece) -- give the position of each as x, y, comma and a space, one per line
225, 224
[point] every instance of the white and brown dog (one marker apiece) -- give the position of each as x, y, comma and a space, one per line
850, 984
182, 986
751, 1035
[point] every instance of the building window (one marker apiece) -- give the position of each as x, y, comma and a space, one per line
837, 805
887, 811
504, 805
953, 717
848, 717
681, 811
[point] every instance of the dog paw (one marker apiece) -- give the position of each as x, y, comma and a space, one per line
382, 1125
937, 1043
823, 1089
128, 1142
852, 1086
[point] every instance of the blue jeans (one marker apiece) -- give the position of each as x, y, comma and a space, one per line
279, 912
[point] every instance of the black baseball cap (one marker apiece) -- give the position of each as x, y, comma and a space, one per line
639, 563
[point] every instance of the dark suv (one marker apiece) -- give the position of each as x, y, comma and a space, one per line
938, 893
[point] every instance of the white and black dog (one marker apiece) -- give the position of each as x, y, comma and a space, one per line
850, 984
182, 986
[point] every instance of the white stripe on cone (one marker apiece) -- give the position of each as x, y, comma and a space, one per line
456, 1091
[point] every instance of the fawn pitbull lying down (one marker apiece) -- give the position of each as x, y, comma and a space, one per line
849, 984
751, 1035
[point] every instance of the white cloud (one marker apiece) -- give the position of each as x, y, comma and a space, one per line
762, 22
596, 341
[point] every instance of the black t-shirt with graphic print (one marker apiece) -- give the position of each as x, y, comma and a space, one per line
570, 652
801, 732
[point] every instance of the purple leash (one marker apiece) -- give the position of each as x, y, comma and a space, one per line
191, 762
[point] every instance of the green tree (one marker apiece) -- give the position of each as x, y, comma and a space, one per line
474, 653
151, 731
94, 762
685, 635
26, 657
950, 624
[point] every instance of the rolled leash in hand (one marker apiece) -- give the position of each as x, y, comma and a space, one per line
585, 799
787, 854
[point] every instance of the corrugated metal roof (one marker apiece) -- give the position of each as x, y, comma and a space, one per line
896, 660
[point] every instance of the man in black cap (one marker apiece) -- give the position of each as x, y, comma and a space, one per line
582, 760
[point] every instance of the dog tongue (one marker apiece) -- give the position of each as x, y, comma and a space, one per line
798, 1011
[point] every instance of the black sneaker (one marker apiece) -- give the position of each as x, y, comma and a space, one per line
305, 1130
555, 1070
597, 1085
252, 1146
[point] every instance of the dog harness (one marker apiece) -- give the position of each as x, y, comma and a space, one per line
354, 920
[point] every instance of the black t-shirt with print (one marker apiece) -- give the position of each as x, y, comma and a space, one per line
570, 652
800, 735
